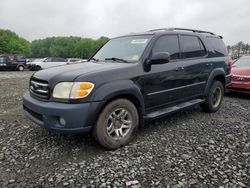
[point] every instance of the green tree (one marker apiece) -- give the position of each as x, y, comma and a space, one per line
11, 43
66, 46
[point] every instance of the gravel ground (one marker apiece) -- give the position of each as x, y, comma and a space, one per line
186, 149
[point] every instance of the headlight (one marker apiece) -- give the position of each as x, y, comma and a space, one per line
81, 90
72, 90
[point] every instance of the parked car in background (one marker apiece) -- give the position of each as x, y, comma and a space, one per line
31, 65
12, 62
240, 75
130, 79
45, 63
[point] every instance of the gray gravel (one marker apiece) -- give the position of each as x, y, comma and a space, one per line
186, 149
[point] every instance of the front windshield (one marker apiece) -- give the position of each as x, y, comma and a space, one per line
242, 62
126, 48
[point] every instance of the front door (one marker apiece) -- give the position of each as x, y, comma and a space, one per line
163, 83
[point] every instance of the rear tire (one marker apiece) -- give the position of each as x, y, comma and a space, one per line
20, 68
214, 98
117, 124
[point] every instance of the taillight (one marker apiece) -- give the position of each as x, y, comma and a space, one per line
230, 64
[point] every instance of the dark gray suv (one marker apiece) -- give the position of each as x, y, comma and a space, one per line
130, 79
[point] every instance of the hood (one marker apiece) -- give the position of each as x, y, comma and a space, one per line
240, 71
71, 71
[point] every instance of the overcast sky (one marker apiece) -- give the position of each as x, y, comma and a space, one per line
34, 19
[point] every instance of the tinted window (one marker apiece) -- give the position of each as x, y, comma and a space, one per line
191, 47
20, 58
168, 44
11, 58
217, 45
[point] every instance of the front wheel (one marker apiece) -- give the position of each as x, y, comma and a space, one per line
37, 68
117, 124
214, 98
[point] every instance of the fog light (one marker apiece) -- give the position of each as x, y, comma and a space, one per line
62, 121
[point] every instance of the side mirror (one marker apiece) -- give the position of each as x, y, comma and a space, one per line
160, 58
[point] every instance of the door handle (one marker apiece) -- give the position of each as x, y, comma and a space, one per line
179, 69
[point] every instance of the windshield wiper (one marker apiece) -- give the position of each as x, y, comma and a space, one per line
117, 59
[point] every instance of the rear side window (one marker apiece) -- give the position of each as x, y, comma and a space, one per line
217, 45
191, 47
20, 58
168, 43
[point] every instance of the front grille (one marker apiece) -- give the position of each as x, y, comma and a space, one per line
39, 88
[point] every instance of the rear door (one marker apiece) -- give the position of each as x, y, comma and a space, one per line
194, 64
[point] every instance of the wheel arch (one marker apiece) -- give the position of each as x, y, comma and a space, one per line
20, 65
217, 74
125, 89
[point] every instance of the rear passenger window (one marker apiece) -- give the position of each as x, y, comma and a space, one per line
170, 44
191, 47
218, 46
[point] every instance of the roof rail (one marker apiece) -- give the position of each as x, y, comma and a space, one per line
161, 29
181, 29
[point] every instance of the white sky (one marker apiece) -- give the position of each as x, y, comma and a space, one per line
34, 19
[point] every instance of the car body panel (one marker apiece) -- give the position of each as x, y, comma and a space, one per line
240, 80
240, 75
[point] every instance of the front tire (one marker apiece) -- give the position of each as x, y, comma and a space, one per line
117, 124
37, 68
214, 98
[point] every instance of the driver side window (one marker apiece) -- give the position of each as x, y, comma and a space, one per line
170, 44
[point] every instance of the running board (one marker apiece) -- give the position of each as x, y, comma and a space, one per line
173, 108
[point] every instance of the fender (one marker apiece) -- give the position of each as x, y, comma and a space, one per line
213, 74
120, 87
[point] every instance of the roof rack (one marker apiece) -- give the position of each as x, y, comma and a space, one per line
181, 29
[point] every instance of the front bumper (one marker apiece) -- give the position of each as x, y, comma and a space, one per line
237, 86
79, 118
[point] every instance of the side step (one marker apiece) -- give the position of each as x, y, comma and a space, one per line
171, 109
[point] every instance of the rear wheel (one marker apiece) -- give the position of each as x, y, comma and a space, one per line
214, 98
20, 68
117, 124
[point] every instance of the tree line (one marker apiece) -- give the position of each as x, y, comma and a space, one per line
66, 47
238, 49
